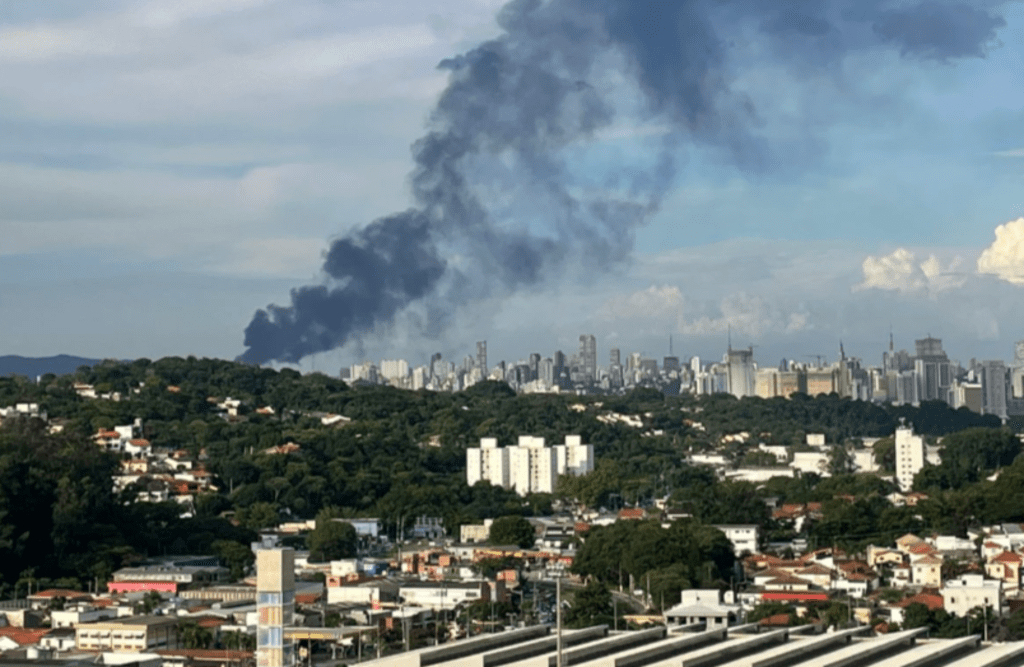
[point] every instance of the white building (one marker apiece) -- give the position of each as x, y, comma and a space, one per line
529, 466
488, 462
968, 591
394, 369
909, 456
744, 537
574, 458
533, 466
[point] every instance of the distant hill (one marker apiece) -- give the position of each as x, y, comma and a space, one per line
32, 367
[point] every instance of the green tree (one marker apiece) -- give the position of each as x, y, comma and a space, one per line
512, 530
331, 539
236, 556
591, 605
193, 636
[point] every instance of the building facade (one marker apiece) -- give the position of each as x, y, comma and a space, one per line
275, 606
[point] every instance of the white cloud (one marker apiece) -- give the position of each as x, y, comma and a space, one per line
1005, 257
741, 313
654, 302
744, 314
900, 271
276, 257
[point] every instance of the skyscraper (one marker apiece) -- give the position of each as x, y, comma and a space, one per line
615, 357
481, 356
588, 356
741, 372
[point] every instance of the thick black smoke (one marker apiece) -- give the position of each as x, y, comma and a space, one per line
504, 189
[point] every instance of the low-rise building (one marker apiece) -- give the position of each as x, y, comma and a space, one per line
131, 635
961, 595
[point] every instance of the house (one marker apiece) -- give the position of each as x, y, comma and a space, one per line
744, 537
45, 598
12, 639
1005, 566
961, 595
926, 571
707, 606
930, 600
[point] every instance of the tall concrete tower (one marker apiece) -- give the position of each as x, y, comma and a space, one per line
275, 606
481, 356
588, 356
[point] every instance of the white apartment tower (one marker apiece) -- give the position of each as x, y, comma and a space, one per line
534, 467
529, 466
488, 462
909, 456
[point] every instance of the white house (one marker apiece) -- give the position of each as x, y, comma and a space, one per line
968, 591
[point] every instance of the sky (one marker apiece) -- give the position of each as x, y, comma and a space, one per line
792, 180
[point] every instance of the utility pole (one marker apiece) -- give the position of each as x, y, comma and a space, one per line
558, 635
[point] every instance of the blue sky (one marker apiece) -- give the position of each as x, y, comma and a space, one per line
169, 168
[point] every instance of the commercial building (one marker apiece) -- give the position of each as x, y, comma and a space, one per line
139, 634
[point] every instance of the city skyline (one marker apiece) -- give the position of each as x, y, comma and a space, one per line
170, 171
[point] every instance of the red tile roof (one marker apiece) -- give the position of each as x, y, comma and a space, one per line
24, 636
632, 513
1007, 557
51, 593
775, 620
931, 601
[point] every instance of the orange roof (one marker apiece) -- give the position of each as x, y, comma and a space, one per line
581, 527
775, 619
140, 442
931, 601
922, 548
51, 593
632, 513
928, 560
211, 622
307, 598
1007, 557
24, 636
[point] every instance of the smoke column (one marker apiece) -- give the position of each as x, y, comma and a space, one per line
510, 182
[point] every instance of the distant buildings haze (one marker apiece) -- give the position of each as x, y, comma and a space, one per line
986, 387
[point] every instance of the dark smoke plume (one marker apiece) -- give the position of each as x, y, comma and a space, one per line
504, 182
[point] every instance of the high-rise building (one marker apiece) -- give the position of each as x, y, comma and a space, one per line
670, 364
909, 456
529, 466
546, 371
533, 467
394, 369
275, 606
741, 372
488, 462
615, 357
588, 357
534, 366
993, 388
1017, 372
481, 356
933, 370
